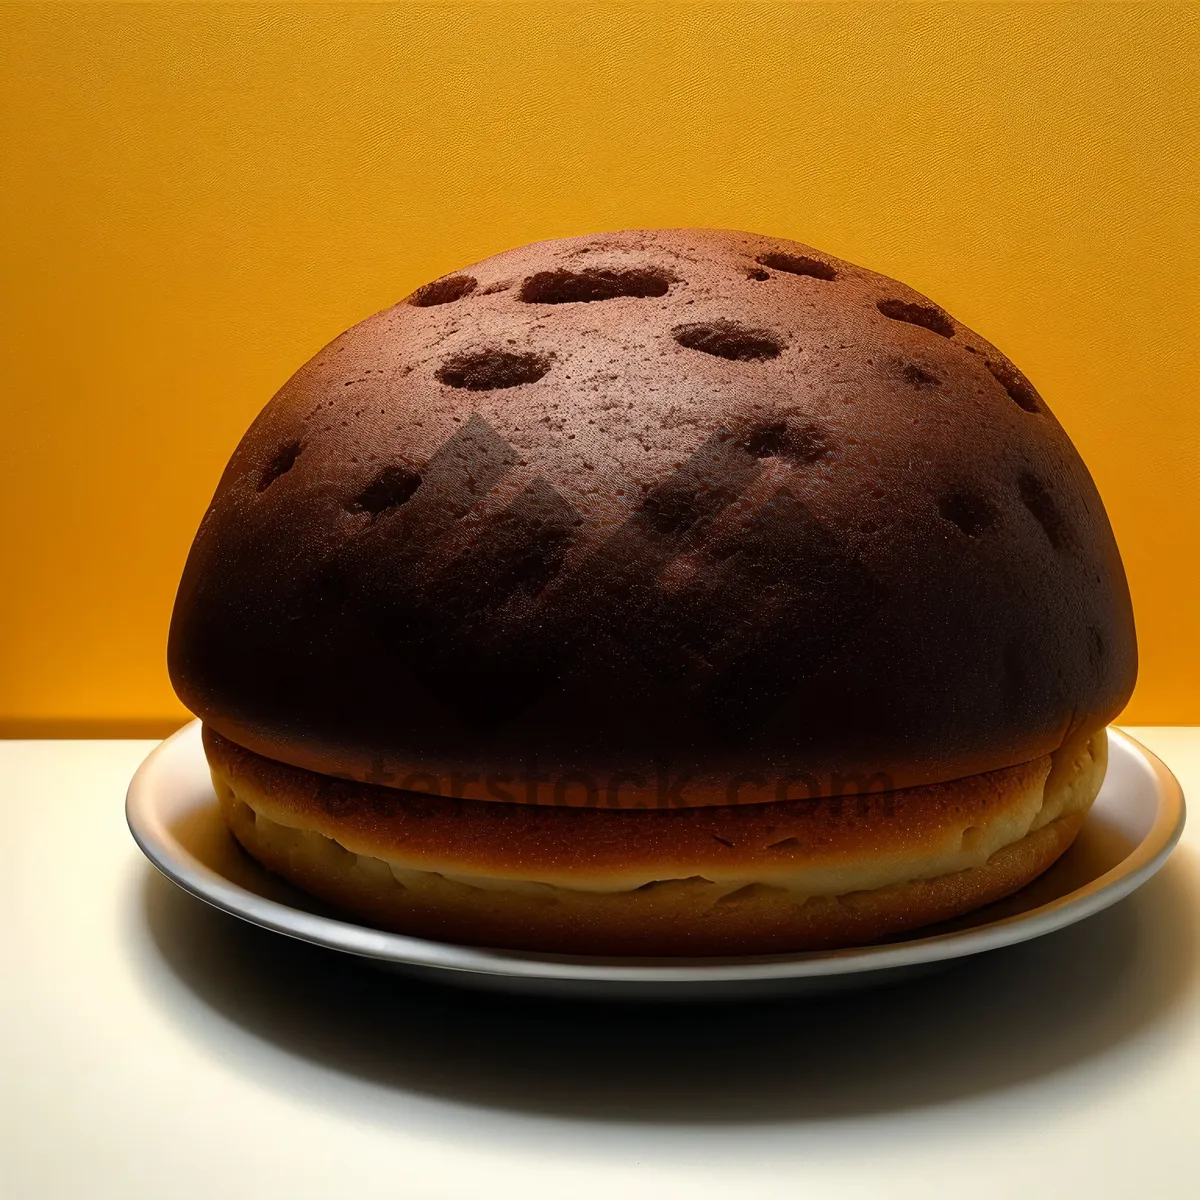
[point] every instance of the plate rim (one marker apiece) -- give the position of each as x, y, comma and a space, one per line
172, 859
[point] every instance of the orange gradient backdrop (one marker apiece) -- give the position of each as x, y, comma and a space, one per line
194, 198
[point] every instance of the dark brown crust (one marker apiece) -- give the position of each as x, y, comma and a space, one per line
438, 833
833, 530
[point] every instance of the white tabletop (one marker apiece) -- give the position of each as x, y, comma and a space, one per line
152, 1047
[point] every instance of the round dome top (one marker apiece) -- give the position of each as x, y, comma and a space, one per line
688, 503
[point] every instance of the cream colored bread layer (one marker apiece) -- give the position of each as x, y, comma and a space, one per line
675, 917
855, 843
815, 900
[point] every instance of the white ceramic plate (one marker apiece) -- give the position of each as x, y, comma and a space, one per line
1134, 824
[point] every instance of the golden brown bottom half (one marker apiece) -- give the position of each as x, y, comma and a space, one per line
749, 879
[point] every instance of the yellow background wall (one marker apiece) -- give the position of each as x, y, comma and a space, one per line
194, 198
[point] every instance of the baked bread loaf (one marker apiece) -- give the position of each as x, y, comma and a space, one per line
681, 527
